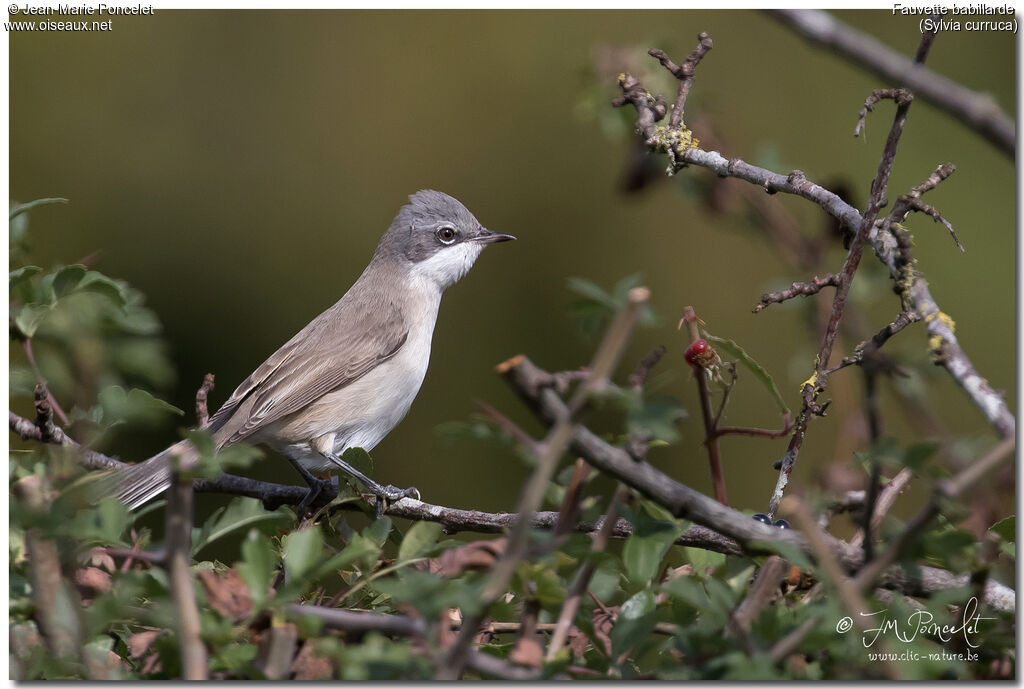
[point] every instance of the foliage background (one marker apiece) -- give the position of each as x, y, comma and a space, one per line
239, 167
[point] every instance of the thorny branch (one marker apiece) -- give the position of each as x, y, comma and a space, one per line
797, 289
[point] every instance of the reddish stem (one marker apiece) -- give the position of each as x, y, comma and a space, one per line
710, 432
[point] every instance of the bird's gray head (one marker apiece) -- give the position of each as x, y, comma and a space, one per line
438, 236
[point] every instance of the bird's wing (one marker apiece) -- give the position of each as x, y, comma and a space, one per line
337, 348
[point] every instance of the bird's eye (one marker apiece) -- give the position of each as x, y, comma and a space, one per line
446, 234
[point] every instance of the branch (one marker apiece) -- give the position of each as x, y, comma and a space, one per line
978, 111
797, 289
401, 625
684, 72
179, 568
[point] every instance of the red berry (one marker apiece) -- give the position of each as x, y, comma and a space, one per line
701, 354
696, 351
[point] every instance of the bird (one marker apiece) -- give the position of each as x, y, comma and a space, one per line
351, 375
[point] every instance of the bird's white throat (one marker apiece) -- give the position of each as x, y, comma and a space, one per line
448, 265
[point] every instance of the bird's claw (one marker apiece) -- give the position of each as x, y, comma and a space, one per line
390, 494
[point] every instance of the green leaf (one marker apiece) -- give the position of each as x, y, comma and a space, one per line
419, 540
240, 513
133, 405
646, 546
741, 355
104, 524
29, 317
303, 549
101, 284
636, 620
360, 459
18, 210
20, 277
257, 566
66, 279
378, 531
659, 417
1006, 529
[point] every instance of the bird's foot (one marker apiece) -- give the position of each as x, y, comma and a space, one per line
317, 488
389, 494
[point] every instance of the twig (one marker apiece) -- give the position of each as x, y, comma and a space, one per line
639, 376
202, 395
797, 289
874, 99
569, 512
400, 625
684, 72
977, 111
582, 581
868, 347
760, 595
555, 444
179, 566
509, 426
52, 401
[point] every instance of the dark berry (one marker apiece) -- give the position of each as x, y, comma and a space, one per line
763, 518
782, 524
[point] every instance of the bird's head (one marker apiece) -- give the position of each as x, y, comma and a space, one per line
438, 236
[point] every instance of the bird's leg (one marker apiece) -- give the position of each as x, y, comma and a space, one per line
385, 494
316, 487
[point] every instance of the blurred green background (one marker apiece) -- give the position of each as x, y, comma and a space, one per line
239, 167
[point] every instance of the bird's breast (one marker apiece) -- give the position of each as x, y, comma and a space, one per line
364, 411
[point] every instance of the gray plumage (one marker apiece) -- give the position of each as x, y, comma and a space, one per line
350, 375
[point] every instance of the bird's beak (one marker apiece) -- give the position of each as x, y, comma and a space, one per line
487, 237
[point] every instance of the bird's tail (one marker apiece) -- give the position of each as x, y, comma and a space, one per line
137, 484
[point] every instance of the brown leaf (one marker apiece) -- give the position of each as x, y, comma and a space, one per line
99, 557
140, 642
227, 593
578, 642
91, 581
478, 555
527, 651
309, 666
139, 645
